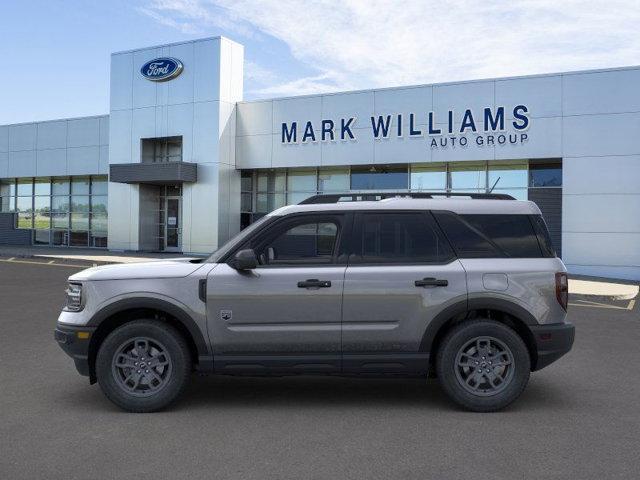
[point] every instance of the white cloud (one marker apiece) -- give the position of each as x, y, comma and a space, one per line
374, 43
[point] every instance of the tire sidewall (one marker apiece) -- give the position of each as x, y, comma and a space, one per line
446, 365
176, 349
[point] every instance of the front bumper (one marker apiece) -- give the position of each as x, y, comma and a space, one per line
75, 343
552, 342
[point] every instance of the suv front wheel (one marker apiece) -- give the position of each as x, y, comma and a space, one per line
483, 365
143, 366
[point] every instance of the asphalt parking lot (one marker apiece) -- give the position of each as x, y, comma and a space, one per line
579, 418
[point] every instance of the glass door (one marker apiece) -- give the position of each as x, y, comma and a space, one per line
173, 230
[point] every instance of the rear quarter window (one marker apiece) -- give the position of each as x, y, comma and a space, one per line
491, 236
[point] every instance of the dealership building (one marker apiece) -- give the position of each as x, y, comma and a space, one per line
181, 162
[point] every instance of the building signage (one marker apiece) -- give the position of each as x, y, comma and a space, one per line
487, 127
162, 69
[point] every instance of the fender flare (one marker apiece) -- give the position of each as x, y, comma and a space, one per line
465, 306
202, 346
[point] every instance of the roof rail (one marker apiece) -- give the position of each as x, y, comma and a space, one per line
374, 196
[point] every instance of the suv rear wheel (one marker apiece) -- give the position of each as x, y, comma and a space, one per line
483, 365
143, 365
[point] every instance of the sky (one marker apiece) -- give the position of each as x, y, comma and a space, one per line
55, 53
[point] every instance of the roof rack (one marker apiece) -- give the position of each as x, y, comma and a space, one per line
374, 196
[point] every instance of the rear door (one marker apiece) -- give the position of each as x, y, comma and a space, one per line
401, 274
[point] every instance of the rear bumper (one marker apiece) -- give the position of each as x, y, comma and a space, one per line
552, 342
75, 343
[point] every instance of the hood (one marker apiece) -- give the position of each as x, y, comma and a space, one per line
180, 267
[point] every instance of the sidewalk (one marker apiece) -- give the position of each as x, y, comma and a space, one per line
83, 254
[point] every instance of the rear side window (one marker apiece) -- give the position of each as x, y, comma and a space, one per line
399, 238
543, 235
486, 236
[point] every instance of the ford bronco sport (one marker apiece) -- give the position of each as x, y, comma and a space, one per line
466, 288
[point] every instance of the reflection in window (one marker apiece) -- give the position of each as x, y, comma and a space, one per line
429, 177
468, 177
58, 210
545, 175
380, 177
306, 243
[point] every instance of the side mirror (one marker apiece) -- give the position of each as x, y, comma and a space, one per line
245, 260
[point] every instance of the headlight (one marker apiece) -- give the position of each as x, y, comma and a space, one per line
74, 297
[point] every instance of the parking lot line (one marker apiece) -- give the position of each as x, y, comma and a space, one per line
50, 263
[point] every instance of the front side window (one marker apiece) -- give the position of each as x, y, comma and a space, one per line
307, 242
400, 238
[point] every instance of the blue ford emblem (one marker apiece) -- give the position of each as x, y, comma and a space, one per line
162, 69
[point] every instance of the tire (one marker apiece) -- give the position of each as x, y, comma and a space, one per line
143, 366
488, 347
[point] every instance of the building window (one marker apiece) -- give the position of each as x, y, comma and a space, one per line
380, 177
508, 178
161, 150
429, 178
60, 211
545, 174
468, 177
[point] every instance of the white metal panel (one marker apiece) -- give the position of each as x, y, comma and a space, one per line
144, 91
51, 162
4, 138
104, 130
123, 216
52, 134
417, 100
348, 152
207, 70
22, 137
201, 209
120, 136
4, 164
603, 249
83, 132
601, 135
461, 96
253, 151
594, 175
301, 110
542, 95
255, 118
601, 92
205, 133
180, 122
601, 213
295, 155
345, 105
180, 89
103, 167
544, 140
237, 71
22, 164
121, 84
143, 125
83, 160
402, 150
454, 152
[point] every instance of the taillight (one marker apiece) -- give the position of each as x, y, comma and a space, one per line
562, 289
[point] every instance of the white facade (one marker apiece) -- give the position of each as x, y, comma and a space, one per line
590, 120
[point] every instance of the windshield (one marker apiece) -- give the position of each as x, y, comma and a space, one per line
237, 240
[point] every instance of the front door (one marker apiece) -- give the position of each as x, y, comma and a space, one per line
285, 314
401, 275
172, 227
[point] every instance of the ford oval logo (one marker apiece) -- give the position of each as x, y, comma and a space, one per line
162, 69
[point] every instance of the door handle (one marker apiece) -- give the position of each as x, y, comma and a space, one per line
314, 283
431, 282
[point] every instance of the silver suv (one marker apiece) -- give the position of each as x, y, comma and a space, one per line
465, 289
